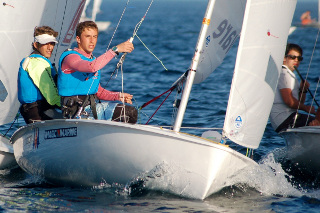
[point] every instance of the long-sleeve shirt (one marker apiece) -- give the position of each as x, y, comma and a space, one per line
73, 63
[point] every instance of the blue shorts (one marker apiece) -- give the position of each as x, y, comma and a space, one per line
104, 110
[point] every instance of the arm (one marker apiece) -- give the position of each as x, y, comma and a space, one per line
74, 62
107, 95
293, 103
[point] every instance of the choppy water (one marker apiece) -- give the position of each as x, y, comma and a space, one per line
170, 31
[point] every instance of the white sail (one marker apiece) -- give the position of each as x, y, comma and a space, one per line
259, 59
16, 35
84, 12
224, 28
96, 9
220, 27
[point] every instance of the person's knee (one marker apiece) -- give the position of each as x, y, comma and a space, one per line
125, 113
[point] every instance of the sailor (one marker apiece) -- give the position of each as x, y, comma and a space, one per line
306, 18
290, 95
79, 80
37, 90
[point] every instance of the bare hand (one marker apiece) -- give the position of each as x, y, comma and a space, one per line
126, 97
125, 47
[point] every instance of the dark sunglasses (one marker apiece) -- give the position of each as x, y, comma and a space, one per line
293, 57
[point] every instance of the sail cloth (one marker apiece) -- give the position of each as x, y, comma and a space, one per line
260, 56
18, 22
224, 28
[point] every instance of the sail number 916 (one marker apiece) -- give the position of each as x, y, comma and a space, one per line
225, 29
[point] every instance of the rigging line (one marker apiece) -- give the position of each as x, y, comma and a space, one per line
155, 98
159, 106
151, 52
304, 85
313, 51
63, 17
315, 93
115, 30
142, 19
122, 58
122, 89
314, 47
15, 119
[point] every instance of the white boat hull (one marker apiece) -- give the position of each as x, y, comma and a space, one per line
88, 153
303, 146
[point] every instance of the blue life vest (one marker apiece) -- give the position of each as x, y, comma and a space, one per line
28, 92
77, 83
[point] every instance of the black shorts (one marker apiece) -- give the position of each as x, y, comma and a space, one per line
302, 120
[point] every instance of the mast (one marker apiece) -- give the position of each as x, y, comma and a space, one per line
193, 67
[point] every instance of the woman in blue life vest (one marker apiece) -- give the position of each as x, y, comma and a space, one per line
37, 90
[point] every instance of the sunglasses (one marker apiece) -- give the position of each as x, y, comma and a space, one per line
293, 57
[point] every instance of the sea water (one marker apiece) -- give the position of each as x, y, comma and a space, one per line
170, 31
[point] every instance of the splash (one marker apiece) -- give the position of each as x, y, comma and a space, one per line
268, 178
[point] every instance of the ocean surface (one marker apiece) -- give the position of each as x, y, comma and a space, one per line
170, 31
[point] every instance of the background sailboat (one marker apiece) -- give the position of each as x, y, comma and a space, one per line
190, 165
303, 143
314, 24
95, 9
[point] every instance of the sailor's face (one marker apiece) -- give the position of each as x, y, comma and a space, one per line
87, 40
293, 58
45, 49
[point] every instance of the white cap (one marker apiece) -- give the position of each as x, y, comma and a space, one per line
45, 38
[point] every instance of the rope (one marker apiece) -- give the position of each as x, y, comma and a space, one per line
63, 17
151, 52
15, 119
156, 98
159, 107
121, 60
114, 32
314, 47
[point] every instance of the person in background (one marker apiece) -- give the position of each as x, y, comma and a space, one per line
290, 95
306, 18
79, 80
37, 90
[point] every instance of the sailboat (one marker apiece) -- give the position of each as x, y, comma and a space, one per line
302, 144
102, 25
63, 153
19, 19
314, 23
